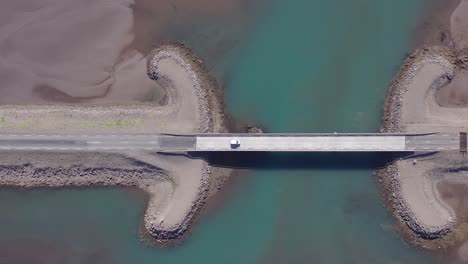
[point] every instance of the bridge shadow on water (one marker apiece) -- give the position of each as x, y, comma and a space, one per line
300, 160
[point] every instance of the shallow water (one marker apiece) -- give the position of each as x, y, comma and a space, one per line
303, 66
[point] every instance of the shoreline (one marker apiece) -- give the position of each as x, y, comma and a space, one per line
415, 229
177, 186
204, 125
436, 71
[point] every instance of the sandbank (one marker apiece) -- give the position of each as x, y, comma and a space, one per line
459, 25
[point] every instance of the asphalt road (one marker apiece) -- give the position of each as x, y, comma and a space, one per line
221, 142
95, 142
434, 142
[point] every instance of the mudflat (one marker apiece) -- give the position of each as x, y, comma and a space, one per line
83, 51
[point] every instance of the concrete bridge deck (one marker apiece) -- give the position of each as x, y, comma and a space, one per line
372, 142
333, 142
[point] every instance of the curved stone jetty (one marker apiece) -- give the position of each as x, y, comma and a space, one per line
411, 183
177, 185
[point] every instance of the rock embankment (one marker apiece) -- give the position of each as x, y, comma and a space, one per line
210, 119
177, 184
182, 56
410, 188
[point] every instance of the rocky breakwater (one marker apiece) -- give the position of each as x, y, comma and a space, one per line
209, 119
177, 184
410, 184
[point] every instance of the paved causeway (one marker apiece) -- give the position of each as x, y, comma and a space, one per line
333, 142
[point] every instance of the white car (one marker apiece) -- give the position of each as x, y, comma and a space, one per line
235, 143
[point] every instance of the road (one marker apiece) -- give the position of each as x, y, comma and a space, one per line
375, 142
434, 142
95, 142
370, 142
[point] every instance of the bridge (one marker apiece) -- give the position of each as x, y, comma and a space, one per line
306, 142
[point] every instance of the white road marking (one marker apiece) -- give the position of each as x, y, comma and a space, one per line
94, 142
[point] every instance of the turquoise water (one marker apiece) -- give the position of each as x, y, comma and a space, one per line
305, 66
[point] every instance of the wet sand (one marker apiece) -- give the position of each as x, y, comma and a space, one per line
45, 43
433, 29
459, 25
454, 94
